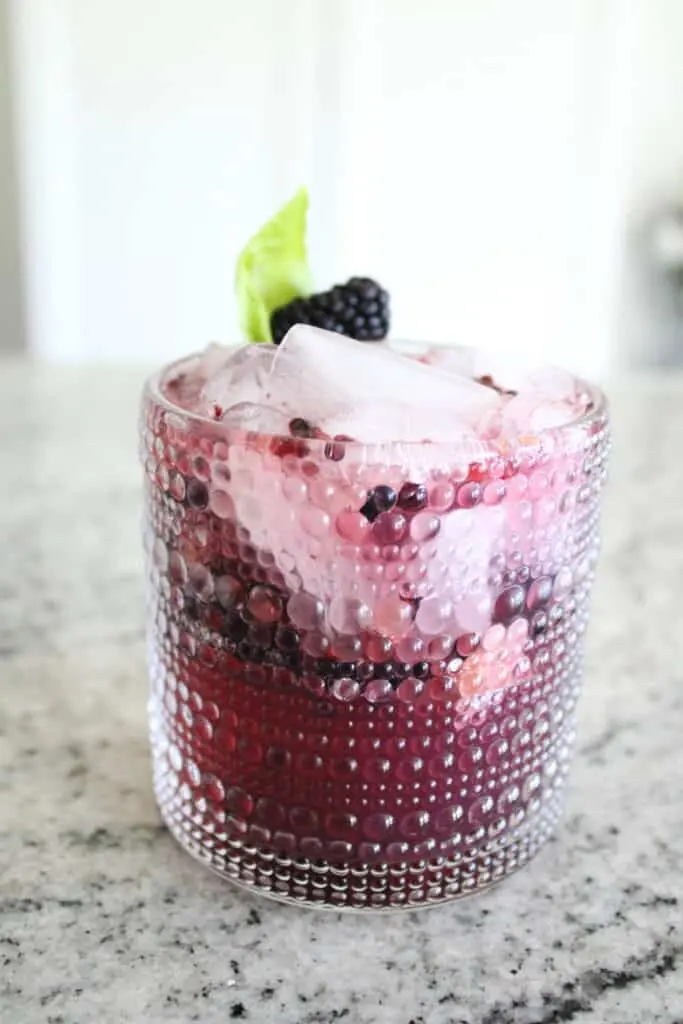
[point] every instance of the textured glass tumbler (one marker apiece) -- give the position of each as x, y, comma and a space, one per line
365, 660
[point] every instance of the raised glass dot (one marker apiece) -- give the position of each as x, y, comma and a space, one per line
442, 688
309, 763
509, 604
409, 768
341, 825
392, 616
303, 819
264, 604
415, 825
312, 847
348, 615
160, 555
239, 802
377, 691
410, 689
469, 495
176, 485
221, 504
424, 526
316, 644
481, 810
378, 826
345, 689
214, 789
441, 766
197, 494
494, 638
305, 611
412, 497
410, 649
441, 496
390, 528
203, 728
473, 613
177, 568
494, 492
352, 526
315, 521
563, 582
377, 769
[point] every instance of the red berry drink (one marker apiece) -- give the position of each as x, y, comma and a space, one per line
366, 619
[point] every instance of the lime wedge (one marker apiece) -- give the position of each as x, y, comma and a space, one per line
272, 269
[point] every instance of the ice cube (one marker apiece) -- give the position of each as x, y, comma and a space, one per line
546, 398
321, 376
213, 358
456, 359
238, 378
552, 383
380, 422
530, 412
252, 416
542, 397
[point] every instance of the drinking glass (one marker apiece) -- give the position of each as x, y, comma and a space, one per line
365, 659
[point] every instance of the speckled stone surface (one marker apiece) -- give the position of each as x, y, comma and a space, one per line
103, 918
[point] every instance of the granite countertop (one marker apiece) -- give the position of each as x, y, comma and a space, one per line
103, 918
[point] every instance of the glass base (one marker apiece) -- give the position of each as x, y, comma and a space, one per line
353, 886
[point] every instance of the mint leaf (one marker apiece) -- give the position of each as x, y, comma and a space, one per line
272, 269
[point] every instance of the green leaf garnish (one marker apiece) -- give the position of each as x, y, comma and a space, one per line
272, 269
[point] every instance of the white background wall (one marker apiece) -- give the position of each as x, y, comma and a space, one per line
11, 301
650, 320
486, 159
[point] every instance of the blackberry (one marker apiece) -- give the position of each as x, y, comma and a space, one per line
412, 497
380, 499
359, 309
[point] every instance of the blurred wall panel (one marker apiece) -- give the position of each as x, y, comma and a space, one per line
12, 337
650, 314
481, 127
155, 138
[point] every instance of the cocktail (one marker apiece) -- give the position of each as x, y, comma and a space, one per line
369, 579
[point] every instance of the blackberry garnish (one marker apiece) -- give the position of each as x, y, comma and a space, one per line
359, 309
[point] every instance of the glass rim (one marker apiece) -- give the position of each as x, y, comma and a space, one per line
474, 447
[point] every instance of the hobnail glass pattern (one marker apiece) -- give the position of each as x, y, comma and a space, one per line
365, 661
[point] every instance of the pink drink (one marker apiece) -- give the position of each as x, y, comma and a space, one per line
365, 661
